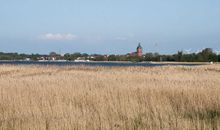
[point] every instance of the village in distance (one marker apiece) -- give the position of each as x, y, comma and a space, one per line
205, 55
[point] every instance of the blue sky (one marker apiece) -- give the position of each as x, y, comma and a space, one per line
108, 26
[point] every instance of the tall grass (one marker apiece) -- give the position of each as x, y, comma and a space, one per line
93, 98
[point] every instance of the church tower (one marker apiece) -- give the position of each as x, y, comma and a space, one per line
139, 50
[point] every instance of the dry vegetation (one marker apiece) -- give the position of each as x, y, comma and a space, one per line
93, 98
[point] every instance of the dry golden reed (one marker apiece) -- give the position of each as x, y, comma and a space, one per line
109, 98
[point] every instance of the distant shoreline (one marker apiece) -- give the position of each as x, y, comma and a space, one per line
104, 63
152, 62
173, 63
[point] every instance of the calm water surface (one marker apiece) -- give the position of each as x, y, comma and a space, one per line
109, 64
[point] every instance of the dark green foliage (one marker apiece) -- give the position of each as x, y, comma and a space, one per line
11, 56
112, 58
218, 58
206, 55
134, 58
152, 57
74, 56
100, 58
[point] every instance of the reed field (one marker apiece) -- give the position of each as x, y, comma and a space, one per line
36, 97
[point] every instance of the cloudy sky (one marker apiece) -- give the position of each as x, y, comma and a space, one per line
108, 26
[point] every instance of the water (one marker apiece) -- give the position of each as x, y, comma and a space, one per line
108, 64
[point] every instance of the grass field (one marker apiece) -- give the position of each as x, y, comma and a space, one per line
104, 98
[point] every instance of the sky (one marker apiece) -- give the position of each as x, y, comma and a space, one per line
108, 26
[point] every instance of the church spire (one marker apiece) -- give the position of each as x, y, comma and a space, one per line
139, 50
139, 45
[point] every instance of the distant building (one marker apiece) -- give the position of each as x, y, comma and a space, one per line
139, 50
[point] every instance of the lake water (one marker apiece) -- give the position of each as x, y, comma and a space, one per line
108, 64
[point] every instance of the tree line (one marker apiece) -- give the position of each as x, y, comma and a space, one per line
206, 55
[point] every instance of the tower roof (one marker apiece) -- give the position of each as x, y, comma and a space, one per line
139, 46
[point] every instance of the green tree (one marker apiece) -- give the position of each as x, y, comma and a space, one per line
67, 56
112, 58
179, 56
218, 58
208, 55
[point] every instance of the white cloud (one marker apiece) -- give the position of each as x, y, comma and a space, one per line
58, 36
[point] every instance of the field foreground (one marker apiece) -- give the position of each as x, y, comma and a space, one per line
99, 98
